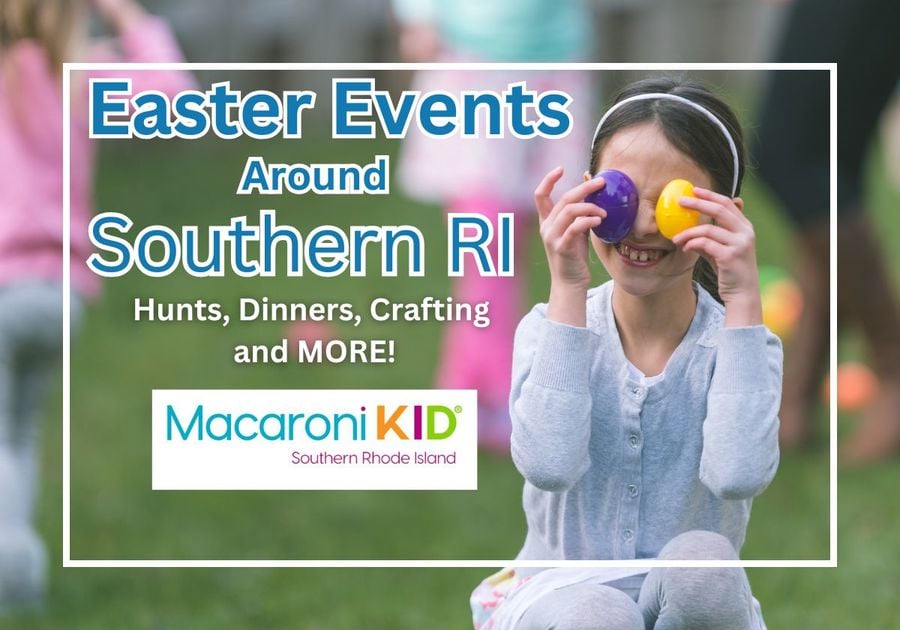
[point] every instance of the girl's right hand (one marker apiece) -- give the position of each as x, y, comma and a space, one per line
564, 229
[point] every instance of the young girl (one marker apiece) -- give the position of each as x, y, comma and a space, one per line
36, 36
644, 410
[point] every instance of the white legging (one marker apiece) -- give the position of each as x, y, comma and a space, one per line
30, 345
668, 599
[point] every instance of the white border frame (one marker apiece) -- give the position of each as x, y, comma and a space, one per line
68, 68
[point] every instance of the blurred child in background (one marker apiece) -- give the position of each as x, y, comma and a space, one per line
488, 176
36, 37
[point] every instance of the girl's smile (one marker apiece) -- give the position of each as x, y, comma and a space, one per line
637, 255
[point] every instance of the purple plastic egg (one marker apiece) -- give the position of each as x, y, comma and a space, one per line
620, 200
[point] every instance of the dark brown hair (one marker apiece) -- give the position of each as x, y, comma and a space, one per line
690, 132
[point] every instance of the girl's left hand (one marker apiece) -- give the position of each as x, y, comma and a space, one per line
729, 244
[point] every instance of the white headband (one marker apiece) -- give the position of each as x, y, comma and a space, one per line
712, 117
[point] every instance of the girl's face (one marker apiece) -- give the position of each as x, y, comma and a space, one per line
644, 154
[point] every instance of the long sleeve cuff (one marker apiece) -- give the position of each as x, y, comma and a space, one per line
742, 361
563, 357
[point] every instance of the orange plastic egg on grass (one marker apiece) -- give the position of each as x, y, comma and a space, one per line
856, 384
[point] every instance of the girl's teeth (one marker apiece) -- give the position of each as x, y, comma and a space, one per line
638, 255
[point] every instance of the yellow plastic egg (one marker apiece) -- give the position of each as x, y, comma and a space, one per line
671, 216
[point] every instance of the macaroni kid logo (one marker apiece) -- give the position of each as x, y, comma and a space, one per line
401, 422
314, 439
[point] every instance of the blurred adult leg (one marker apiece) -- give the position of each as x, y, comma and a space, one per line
866, 294
794, 159
792, 149
868, 59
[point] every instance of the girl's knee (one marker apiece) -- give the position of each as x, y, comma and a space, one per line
583, 607
698, 597
698, 545
703, 599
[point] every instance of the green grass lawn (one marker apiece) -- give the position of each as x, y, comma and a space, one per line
115, 515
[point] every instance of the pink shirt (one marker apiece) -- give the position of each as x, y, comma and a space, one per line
31, 146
